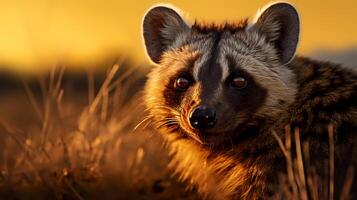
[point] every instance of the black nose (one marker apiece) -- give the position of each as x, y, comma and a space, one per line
203, 117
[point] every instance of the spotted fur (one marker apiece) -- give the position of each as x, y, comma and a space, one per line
238, 158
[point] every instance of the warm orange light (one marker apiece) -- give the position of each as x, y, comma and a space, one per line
42, 32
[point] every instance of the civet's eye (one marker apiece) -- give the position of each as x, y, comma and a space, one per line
182, 83
239, 82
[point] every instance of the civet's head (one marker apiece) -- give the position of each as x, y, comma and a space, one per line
212, 81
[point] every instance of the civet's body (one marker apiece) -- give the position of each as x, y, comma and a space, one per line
220, 90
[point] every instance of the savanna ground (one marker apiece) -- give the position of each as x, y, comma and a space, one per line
77, 135
82, 135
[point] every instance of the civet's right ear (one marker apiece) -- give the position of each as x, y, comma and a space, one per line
161, 26
280, 24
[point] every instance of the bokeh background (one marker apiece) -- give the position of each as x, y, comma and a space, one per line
72, 123
40, 33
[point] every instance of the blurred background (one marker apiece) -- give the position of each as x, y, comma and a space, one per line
72, 123
42, 33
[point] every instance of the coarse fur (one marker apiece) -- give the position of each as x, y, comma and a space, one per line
239, 158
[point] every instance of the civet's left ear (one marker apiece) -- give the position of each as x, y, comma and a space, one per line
280, 24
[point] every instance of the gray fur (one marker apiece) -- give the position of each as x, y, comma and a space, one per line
235, 158
280, 24
161, 27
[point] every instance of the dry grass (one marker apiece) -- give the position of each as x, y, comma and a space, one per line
103, 149
89, 152
301, 181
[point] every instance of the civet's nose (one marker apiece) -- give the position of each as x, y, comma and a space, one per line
203, 117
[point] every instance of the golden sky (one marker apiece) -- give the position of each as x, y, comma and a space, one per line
42, 32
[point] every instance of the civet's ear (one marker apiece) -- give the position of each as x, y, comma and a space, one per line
161, 26
280, 24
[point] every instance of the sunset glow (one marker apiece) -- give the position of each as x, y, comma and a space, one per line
43, 32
